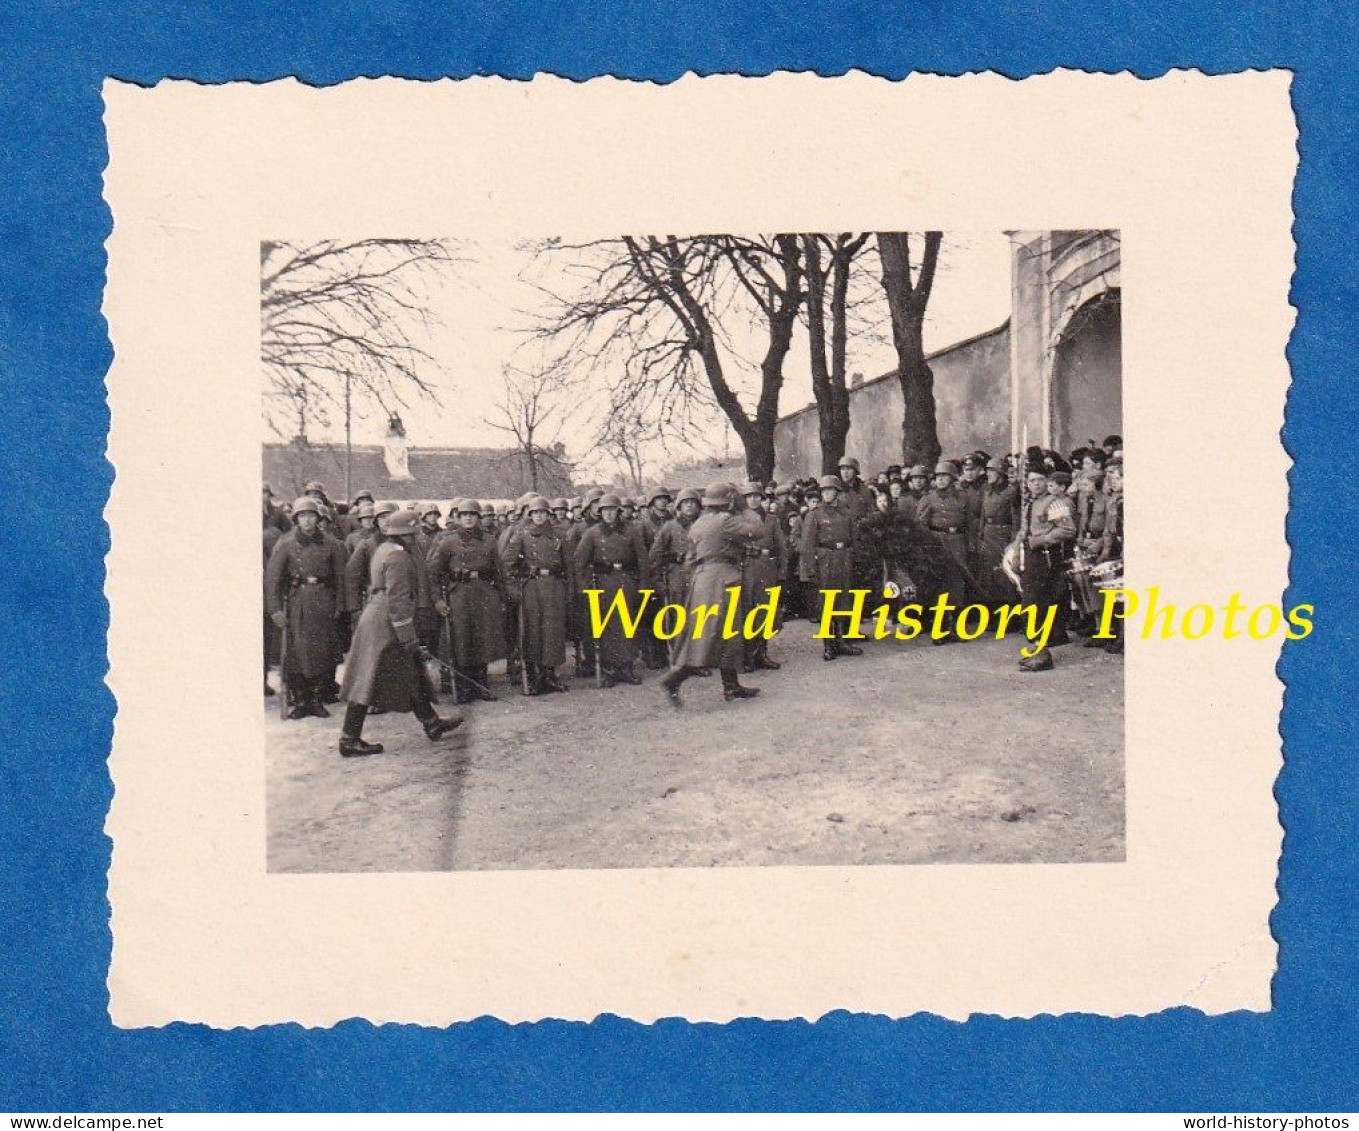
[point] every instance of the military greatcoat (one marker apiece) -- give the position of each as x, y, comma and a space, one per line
718, 541
535, 559
612, 559
381, 670
307, 574
464, 565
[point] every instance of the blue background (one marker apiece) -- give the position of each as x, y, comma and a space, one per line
57, 1048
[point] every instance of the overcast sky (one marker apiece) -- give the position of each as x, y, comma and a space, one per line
477, 308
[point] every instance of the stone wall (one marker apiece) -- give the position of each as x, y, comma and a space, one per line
972, 403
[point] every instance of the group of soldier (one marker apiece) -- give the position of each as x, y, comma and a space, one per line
390, 589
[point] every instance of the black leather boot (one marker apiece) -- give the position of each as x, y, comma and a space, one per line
351, 747
732, 689
436, 728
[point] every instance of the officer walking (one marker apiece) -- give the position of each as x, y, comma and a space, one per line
718, 541
384, 671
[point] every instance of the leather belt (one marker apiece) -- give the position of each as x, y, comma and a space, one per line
947, 529
997, 522
472, 574
312, 581
546, 572
832, 545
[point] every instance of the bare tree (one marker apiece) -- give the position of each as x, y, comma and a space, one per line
531, 413
828, 304
338, 325
908, 296
653, 316
624, 439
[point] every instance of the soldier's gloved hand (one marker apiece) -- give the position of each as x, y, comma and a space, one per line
280, 618
441, 607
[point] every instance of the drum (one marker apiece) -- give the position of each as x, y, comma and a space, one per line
1107, 575
1084, 595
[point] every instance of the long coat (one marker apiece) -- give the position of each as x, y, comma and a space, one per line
951, 516
271, 536
307, 574
668, 565
612, 559
827, 551
718, 540
464, 564
998, 521
380, 670
766, 561
535, 558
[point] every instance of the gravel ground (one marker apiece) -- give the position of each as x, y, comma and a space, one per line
911, 754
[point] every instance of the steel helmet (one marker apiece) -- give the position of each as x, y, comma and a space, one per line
304, 504
469, 506
402, 522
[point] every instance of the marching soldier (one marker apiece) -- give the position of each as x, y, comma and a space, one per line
763, 568
1048, 527
947, 514
999, 519
610, 557
826, 558
535, 558
304, 591
384, 671
718, 540
464, 573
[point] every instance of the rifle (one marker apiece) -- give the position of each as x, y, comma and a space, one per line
284, 694
523, 653
599, 652
458, 673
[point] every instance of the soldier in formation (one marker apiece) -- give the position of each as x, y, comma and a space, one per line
509, 582
611, 558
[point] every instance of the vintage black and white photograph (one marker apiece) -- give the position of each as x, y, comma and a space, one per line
651, 551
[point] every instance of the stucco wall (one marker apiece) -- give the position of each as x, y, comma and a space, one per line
972, 402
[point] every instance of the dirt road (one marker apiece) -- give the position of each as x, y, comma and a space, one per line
910, 754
